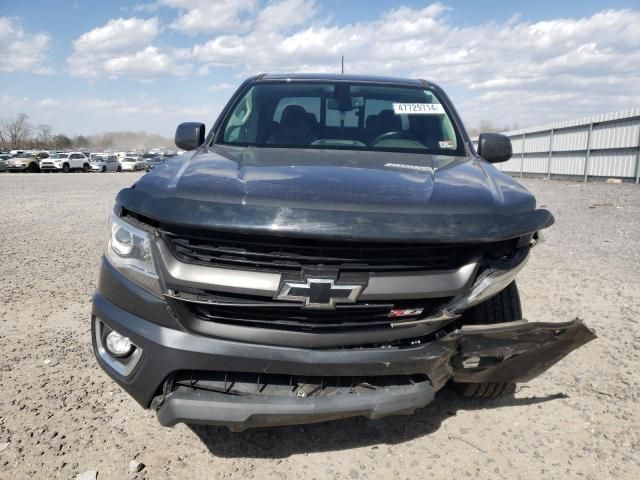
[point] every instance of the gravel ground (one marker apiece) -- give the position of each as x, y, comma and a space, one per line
61, 416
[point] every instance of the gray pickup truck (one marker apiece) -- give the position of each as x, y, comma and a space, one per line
334, 247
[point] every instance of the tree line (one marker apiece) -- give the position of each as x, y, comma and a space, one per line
20, 134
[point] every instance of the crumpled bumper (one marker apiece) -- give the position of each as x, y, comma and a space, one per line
511, 352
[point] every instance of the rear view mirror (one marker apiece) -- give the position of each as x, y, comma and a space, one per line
189, 135
494, 148
355, 102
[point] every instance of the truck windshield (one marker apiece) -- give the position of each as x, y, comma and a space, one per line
342, 115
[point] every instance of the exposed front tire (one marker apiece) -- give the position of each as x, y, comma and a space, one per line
504, 307
483, 390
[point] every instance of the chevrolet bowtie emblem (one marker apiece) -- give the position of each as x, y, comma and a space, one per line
319, 292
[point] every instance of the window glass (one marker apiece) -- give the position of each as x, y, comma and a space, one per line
342, 115
310, 104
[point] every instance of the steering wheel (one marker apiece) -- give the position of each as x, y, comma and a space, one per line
395, 134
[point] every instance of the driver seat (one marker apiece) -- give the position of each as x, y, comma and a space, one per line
383, 122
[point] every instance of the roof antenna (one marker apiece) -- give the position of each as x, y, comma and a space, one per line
342, 64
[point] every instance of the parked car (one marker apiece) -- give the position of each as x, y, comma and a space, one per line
4, 160
154, 161
132, 164
336, 247
65, 162
26, 162
104, 163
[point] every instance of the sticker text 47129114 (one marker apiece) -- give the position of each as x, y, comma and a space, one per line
418, 108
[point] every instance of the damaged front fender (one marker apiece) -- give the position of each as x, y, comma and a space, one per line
512, 352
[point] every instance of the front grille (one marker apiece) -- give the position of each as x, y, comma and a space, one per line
291, 254
203, 311
265, 313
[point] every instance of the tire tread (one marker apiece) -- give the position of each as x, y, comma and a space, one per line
502, 308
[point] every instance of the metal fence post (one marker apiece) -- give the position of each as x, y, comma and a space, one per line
586, 159
550, 153
524, 137
638, 158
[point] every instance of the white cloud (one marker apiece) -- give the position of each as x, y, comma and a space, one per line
149, 62
198, 16
221, 87
123, 47
21, 50
120, 34
49, 103
285, 14
150, 7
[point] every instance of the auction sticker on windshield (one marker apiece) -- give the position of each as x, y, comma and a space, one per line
418, 108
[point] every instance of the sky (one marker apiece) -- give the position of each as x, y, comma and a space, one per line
85, 67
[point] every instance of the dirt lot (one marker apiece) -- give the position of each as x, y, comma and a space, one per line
60, 415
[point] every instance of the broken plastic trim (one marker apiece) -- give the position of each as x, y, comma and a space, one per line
490, 282
513, 352
495, 278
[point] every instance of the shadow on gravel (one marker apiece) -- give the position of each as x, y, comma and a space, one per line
281, 442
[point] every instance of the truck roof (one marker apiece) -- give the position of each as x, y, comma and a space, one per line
337, 77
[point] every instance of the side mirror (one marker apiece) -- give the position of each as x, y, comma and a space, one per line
189, 135
494, 148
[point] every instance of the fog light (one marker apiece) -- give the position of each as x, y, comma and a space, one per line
118, 345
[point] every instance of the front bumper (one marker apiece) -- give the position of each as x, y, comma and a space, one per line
512, 352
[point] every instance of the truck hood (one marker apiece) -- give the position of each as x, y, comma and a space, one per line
337, 193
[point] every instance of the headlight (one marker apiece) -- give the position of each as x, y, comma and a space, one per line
128, 249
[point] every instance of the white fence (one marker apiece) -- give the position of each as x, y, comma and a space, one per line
606, 145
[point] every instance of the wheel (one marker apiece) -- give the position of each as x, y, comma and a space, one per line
104, 169
504, 307
65, 168
33, 168
119, 169
85, 167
